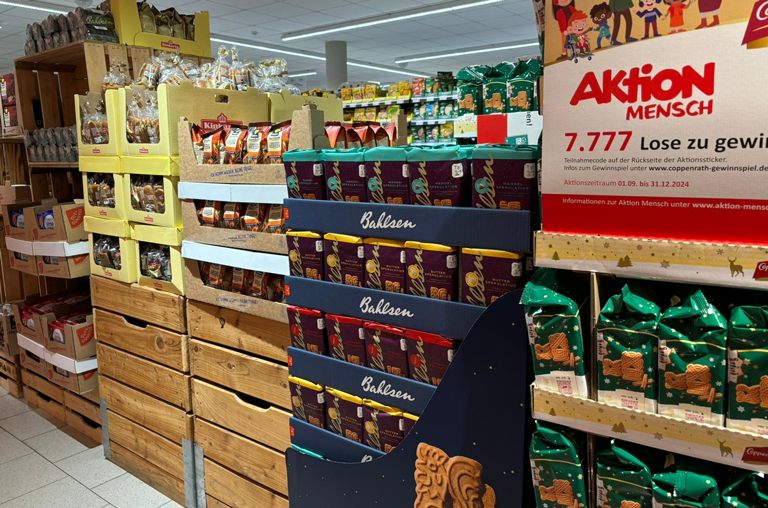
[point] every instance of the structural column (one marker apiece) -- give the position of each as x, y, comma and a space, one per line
335, 64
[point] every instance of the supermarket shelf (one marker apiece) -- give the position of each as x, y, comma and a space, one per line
437, 121
8, 140
433, 143
382, 102
716, 444
44, 167
450, 319
690, 262
329, 445
248, 260
361, 381
68, 364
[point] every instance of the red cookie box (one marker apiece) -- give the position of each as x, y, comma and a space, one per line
72, 336
307, 329
33, 316
429, 356
386, 349
346, 339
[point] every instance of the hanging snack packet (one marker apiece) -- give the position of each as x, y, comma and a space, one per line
277, 142
627, 336
684, 488
750, 490
559, 478
622, 478
748, 369
692, 361
212, 146
552, 299
211, 213
256, 143
253, 218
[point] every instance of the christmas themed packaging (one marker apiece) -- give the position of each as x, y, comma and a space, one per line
304, 174
346, 339
345, 259
559, 478
748, 369
345, 175
307, 329
305, 252
504, 177
684, 488
387, 350
432, 270
387, 172
487, 274
384, 428
308, 401
622, 478
385, 264
429, 356
750, 490
345, 414
439, 176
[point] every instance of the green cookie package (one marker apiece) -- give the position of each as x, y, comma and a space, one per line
623, 478
685, 489
627, 341
692, 361
748, 369
522, 87
558, 475
552, 299
750, 490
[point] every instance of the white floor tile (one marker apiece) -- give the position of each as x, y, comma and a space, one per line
26, 474
66, 493
127, 491
90, 467
172, 504
3, 392
11, 448
11, 407
30, 424
55, 445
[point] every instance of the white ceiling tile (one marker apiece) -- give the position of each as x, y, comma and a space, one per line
243, 4
248, 17
406, 27
506, 22
285, 25
28, 14
222, 26
484, 13
213, 8
245, 33
517, 7
443, 20
317, 5
351, 12
283, 10
316, 19
390, 5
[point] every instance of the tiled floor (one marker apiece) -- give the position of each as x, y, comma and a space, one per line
45, 464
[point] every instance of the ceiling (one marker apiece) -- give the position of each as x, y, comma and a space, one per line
504, 22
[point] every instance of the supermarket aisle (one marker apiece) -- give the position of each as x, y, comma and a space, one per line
44, 463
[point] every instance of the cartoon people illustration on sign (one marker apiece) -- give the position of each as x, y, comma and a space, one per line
600, 14
563, 10
651, 15
707, 7
577, 43
675, 14
622, 9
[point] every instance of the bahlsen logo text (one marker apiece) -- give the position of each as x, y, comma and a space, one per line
652, 94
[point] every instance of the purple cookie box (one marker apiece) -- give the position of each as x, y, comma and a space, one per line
353, 186
307, 330
350, 260
388, 354
346, 338
435, 360
432, 275
509, 185
441, 185
309, 403
350, 418
390, 185
484, 281
408, 425
304, 256
387, 267
385, 433
309, 183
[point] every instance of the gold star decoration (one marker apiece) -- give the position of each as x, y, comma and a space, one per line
658, 436
665, 264
747, 361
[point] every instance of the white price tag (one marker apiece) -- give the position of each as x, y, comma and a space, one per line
530, 170
361, 170
457, 170
517, 269
319, 246
361, 252
402, 256
361, 333
317, 169
451, 261
359, 411
321, 398
406, 171
403, 345
321, 323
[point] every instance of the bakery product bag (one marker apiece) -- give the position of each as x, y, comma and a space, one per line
692, 361
623, 479
627, 336
748, 369
552, 299
684, 488
750, 490
559, 478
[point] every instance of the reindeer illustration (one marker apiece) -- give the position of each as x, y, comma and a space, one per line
736, 269
725, 450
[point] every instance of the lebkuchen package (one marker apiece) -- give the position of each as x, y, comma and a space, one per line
627, 338
692, 361
685, 488
748, 369
749, 490
552, 300
559, 478
623, 477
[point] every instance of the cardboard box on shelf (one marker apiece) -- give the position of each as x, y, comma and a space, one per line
75, 341
63, 267
9, 346
282, 106
77, 383
32, 324
121, 204
63, 224
21, 255
169, 239
33, 363
171, 217
103, 265
19, 223
12, 194
110, 137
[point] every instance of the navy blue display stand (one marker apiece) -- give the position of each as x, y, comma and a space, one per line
479, 411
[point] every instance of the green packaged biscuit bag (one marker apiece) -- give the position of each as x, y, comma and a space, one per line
552, 299
470, 80
750, 490
494, 92
684, 488
556, 467
692, 361
748, 369
623, 479
523, 84
627, 338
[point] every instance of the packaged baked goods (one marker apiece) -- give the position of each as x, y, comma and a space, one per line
344, 414
106, 252
557, 464
101, 189
219, 276
627, 336
432, 270
230, 217
305, 253
212, 142
46, 220
345, 175
429, 356
308, 401
495, 91
383, 426
210, 213
146, 17
256, 143
623, 478
234, 145
388, 175
346, 339
439, 176
685, 488
252, 219
155, 261
241, 280
336, 134
747, 374
470, 85
522, 86
692, 361
487, 275
344, 259
142, 116
503, 177
386, 349
304, 173
385, 264
93, 120
307, 329
197, 143
553, 300
275, 222
147, 193
746, 490
278, 142
117, 77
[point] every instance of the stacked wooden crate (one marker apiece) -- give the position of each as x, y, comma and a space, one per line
145, 381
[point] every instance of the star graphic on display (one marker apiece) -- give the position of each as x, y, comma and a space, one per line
576, 328
580, 477
570, 475
639, 247
633, 417
541, 365
741, 409
710, 432
723, 362
747, 361
550, 245
665, 264
658, 436
720, 252
650, 369
607, 381
711, 360
578, 495
575, 348
546, 505
610, 487
606, 245
718, 383
669, 394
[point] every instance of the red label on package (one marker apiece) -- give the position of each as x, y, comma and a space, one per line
148, 219
103, 213
76, 216
220, 121
290, 361
761, 271
287, 289
757, 28
170, 45
96, 151
85, 335
79, 259
143, 150
89, 375
754, 455
286, 214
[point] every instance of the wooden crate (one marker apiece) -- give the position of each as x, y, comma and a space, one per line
149, 473
84, 407
157, 380
149, 446
212, 502
156, 307
157, 344
238, 492
169, 421
10, 375
266, 424
250, 459
38, 400
237, 330
83, 425
263, 379
42, 385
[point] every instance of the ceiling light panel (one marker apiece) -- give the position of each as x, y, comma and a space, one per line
35, 7
467, 51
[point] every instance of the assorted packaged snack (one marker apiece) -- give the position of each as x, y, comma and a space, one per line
252, 217
265, 286
258, 143
101, 189
79, 25
748, 387
508, 87
167, 22
55, 144
142, 116
558, 466
148, 193
106, 252
93, 121
155, 261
